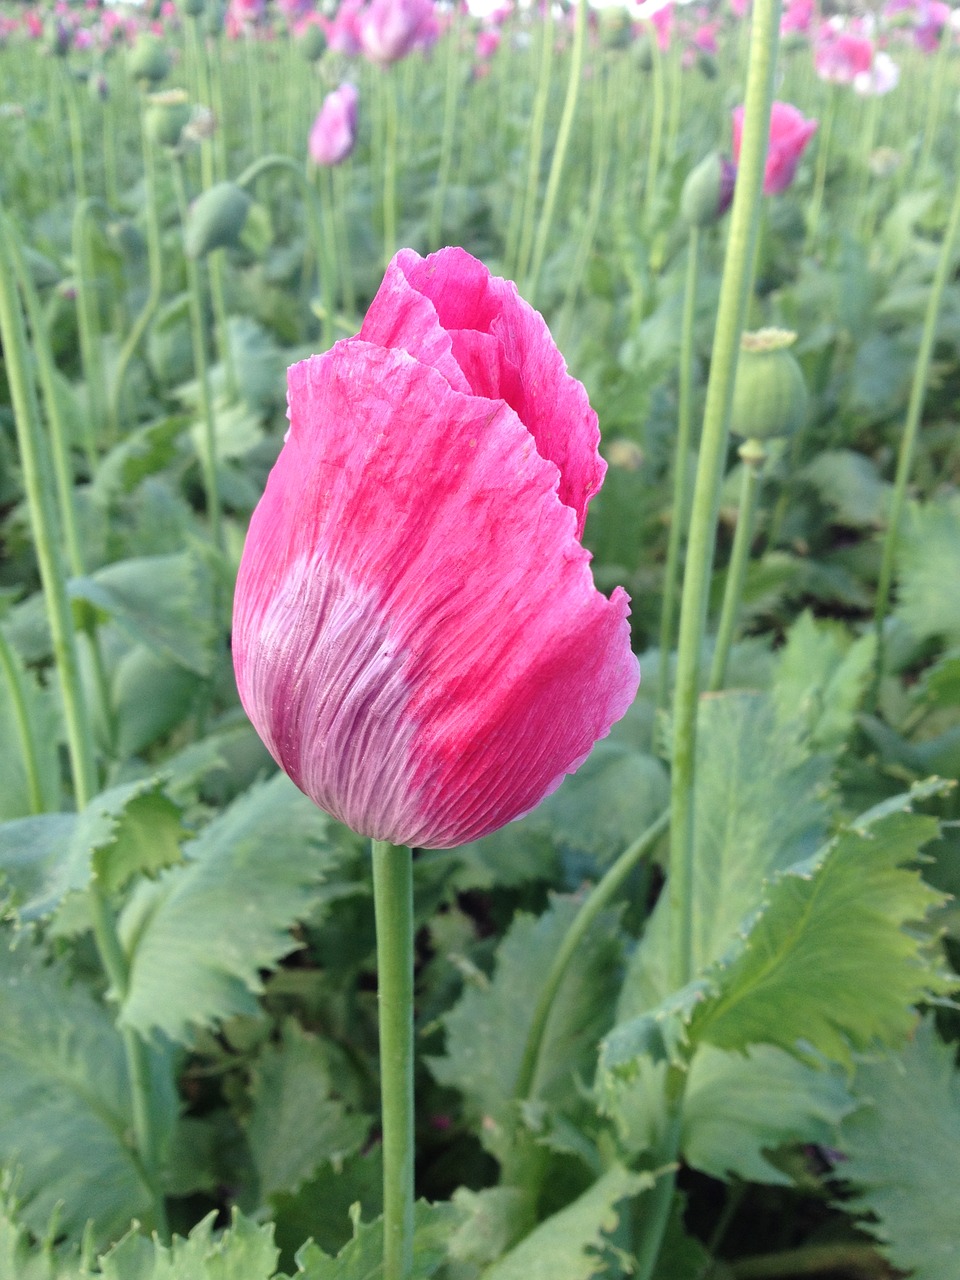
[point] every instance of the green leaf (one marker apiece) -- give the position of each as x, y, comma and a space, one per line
64, 1110
493, 1220
928, 557
821, 678
128, 830
43, 716
199, 937
20, 1260
362, 1257
141, 453
566, 1245
321, 1207
902, 1151
165, 602
759, 808
151, 695
830, 961
850, 484
296, 1124
245, 1251
486, 1031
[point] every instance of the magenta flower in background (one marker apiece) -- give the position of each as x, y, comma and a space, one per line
797, 17
932, 17
390, 29
343, 30
417, 637
789, 135
840, 56
334, 131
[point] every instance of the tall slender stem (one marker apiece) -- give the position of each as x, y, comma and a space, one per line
451, 82
535, 155
908, 440
681, 455
393, 906
656, 128
88, 320
28, 741
744, 221
823, 157
391, 137
935, 98
753, 454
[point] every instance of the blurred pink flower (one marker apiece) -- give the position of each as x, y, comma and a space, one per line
797, 17
334, 132
343, 29
932, 17
839, 56
789, 135
390, 29
883, 76
705, 37
417, 636
740, 8
488, 42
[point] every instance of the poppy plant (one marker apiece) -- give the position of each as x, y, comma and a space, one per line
417, 635
789, 134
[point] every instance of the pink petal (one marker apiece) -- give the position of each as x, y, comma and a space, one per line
417, 636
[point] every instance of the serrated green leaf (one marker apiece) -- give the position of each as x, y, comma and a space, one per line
127, 830
928, 556
759, 808
296, 1124
245, 1251
64, 1109
165, 602
565, 1246
850, 484
902, 1149
830, 962
199, 937
821, 678
486, 1031
21, 1260
141, 453
493, 1220
362, 1257
321, 1207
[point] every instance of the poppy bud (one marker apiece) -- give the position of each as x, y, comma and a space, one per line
769, 395
166, 117
312, 41
149, 61
216, 219
708, 191
194, 8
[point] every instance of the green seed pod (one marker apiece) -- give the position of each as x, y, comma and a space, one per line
769, 395
312, 42
216, 219
166, 117
148, 61
194, 8
708, 191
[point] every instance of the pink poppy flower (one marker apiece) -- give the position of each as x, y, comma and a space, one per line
334, 131
789, 135
797, 17
343, 30
417, 637
840, 56
390, 29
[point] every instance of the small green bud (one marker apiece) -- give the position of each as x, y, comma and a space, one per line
216, 219
194, 8
148, 61
312, 42
708, 191
166, 116
769, 395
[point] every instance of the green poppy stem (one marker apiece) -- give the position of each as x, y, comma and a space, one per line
753, 455
393, 906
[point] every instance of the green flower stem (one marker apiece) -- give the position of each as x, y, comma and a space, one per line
88, 319
820, 174
656, 128
337, 201
75, 126
213, 51
328, 265
155, 291
391, 136
393, 905
541, 101
660, 1201
934, 100
865, 151
271, 162
908, 440
753, 455
215, 262
744, 221
451, 85
251, 67
28, 741
676, 96
208, 459
574, 76
599, 897
80, 746
812, 1260
684, 419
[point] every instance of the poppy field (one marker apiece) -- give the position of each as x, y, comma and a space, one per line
479, 641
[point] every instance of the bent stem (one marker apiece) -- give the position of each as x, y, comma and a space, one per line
753, 455
600, 895
909, 439
393, 907
684, 415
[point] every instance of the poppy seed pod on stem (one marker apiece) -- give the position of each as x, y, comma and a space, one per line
417, 637
769, 394
216, 219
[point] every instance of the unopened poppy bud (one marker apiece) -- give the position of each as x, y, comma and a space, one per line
216, 219
149, 61
769, 395
166, 117
312, 41
194, 8
708, 191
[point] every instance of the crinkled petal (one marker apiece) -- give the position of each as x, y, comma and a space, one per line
417, 635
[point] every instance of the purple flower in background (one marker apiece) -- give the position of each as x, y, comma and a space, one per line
390, 29
334, 131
